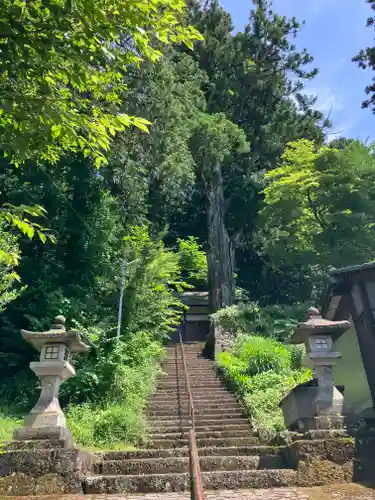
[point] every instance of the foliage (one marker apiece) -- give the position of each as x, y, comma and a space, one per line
275, 321
154, 173
193, 262
261, 371
259, 354
153, 273
9, 258
318, 209
8, 424
63, 70
366, 60
256, 80
265, 393
107, 398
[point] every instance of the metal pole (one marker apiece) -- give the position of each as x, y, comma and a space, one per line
120, 304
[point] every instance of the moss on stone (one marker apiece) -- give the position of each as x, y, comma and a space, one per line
338, 451
317, 472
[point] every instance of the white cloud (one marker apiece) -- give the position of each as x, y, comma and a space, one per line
328, 101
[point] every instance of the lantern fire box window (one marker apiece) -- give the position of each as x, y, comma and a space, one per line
52, 352
321, 344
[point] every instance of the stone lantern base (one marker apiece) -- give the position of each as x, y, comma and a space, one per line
47, 420
59, 435
303, 412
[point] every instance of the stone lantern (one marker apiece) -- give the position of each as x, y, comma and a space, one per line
316, 404
47, 420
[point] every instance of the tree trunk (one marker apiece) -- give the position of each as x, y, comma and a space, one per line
221, 257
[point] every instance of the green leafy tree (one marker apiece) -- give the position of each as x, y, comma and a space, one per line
9, 258
318, 210
193, 262
63, 70
63, 77
153, 274
155, 172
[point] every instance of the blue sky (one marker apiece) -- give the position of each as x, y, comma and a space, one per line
334, 32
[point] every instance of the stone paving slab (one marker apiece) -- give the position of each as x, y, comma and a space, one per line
334, 492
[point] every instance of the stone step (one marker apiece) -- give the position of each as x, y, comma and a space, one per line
205, 442
181, 464
179, 367
198, 417
199, 410
206, 398
198, 405
231, 451
162, 483
181, 382
167, 379
179, 376
196, 393
182, 401
197, 386
202, 434
196, 363
196, 360
193, 386
223, 425
200, 393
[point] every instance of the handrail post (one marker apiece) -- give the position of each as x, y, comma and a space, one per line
196, 486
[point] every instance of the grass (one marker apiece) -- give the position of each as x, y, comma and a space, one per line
83, 428
261, 371
8, 424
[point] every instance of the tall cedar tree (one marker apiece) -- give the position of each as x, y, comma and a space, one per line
256, 78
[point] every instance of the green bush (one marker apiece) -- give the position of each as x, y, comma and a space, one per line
110, 426
9, 422
297, 355
261, 354
193, 262
275, 321
262, 371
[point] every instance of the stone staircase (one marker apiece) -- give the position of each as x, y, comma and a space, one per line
230, 453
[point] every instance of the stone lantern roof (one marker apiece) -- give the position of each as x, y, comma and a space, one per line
56, 335
316, 325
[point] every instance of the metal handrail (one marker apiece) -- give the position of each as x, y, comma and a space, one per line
196, 487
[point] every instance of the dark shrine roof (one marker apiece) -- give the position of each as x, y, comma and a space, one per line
353, 269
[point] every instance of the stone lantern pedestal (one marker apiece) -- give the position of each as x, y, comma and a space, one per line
316, 404
47, 420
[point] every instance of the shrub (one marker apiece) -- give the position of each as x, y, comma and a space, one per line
261, 354
110, 426
106, 399
193, 262
265, 391
262, 371
297, 354
276, 321
9, 422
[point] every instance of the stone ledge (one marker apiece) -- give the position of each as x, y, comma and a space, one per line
42, 470
321, 462
338, 451
19, 484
